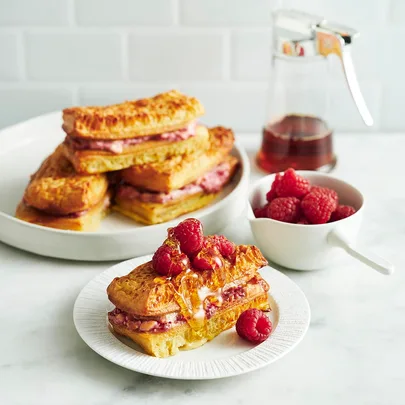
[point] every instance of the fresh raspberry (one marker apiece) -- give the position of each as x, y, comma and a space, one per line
261, 212
332, 194
207, 258
169, 261
292, 185
190, 235
225, 246
285, 209
272, 194
317, 207
254, 326
303, 221
341, 212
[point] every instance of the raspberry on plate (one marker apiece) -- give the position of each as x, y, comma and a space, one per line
292, 185
272, 194
190, 235
285, 209
326, 191
224, 245
317, 207
341, 212
169, 261
254, 326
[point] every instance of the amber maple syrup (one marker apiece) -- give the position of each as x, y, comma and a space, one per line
299, 141
196, 291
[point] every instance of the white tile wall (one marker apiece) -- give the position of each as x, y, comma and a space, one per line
354, 13
225, 12
250, 52
34, 12
397, 12
392, 110
238, 106
54, 53
19, 104
124, 12
176, 56
9, 65
116, 93
73, 56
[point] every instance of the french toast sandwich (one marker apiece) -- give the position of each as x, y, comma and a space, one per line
178, 171
114, 137
158, 192
185, 310
58, 197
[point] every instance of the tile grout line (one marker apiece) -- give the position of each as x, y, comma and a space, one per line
242, 85
125, 56
176, 12
142, 30
71, 14
227, 63
21, 55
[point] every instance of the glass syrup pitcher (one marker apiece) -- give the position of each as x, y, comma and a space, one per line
296, 133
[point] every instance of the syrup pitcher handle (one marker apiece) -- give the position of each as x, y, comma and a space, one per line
351, 78
337, 41
335, 238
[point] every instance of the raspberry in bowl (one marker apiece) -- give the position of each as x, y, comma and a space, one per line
306, 220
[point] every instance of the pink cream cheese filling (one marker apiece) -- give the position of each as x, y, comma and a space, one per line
72, 215
151, 325
165, 322
210, 182
118, 146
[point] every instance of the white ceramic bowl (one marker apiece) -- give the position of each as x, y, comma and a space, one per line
311, 247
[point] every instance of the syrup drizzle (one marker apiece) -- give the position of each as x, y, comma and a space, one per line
194, 290
197, 291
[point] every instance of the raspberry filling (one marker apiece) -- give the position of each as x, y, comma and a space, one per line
117, 146
230, 295
146, 324
71, 215
210, 182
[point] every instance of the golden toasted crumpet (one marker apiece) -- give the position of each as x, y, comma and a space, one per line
164, 112
57, 189
95, 161
142, 291
176, 172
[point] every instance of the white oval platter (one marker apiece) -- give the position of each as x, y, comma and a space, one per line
22, 149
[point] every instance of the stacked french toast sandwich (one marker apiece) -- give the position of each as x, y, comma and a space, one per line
148, 159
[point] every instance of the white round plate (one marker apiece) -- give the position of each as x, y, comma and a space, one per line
22, 149
225, 356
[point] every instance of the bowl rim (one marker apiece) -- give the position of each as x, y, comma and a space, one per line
263, 179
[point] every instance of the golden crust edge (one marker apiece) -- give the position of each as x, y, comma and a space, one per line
88, 122
88, 222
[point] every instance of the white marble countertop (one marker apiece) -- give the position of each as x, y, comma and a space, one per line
353, 352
